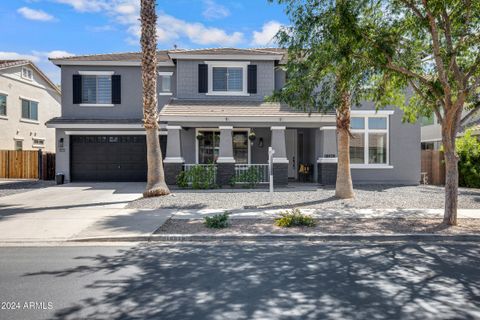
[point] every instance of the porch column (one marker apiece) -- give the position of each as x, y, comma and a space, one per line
280, 161
327, 160
173, 162
225, 160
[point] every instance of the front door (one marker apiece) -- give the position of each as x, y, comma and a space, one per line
291, 144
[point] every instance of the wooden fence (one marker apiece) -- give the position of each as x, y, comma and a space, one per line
27, 165
434, 167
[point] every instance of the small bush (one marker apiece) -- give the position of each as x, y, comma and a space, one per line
218, 221
249, 178
199, 176
294, 218
468, 150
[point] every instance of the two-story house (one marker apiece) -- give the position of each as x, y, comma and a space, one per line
28, 98
212, 109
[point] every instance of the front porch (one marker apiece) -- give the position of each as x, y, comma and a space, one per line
301, 154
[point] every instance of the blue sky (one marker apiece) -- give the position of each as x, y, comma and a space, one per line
38, 29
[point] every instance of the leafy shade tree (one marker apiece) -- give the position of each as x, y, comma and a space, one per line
325, 69
430, 47
156, 185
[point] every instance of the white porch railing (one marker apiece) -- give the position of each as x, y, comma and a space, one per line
189, 166
261, 170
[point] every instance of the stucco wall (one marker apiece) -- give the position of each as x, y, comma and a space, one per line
48, 99
131, 106
187, 85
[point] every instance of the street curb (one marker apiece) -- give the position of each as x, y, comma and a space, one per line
282, 237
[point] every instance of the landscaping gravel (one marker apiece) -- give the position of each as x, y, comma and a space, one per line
324, 226
10, 187
372, 196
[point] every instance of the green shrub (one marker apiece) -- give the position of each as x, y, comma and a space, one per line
249, 178
200, 176
218, 221
468, 150
294, 218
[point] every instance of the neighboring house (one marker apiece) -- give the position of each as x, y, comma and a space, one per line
28, 99
431, 130
211, 101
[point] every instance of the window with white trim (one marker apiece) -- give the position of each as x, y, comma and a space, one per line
369, 144
208, 145
18, 145
227, 77
27, 73
97, 89
29, 109
38, 143
165, 82
3, 104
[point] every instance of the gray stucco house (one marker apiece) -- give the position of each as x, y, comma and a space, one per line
212, 109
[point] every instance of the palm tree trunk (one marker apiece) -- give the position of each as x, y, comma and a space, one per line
156, 185
344, 185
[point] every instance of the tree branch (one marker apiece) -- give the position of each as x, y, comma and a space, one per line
453, 55
422, 95
414, 8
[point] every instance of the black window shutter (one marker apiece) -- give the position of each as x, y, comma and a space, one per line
116, 89
202, 78
252, 78
77, 88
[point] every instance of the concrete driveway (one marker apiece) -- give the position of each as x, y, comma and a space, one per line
63, 212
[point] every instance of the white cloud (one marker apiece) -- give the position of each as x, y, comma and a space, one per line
267, 34
40, 58
5, 55
104, 28
169, 28
86, 5
33, 14
214, 10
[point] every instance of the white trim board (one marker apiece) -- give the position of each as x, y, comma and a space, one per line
223, 57
67, 62
118, 132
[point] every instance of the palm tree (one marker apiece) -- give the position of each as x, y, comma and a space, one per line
156, 185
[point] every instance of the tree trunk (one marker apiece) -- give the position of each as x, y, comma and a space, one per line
156, 185
344, 185
449, 133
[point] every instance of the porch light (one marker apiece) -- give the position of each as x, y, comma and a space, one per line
260, 143
60, 143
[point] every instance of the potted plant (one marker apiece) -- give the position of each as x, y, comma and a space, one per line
252, 136
200, 136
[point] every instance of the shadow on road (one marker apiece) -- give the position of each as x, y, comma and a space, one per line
280, 281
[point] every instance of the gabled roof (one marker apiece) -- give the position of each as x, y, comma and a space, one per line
5, 64
121, 56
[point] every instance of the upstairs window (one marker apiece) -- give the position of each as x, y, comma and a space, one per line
29, 109
96, 89
227, 79
3, 105
165, 83
27, 73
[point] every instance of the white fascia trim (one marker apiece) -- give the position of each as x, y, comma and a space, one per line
19, 138
165, 93
432, 140
60, 62
96, 73
225, 127
29, 99
328, 128
94, 126
278, 128
327, 160
100, 105
257, 118
39, 138
280, 160
29, 121
372, 112
174, 160
165, 73
4, 93
181, 56
370, 166
225, 160
174, 127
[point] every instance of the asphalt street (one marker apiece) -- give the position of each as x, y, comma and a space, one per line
242, 281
